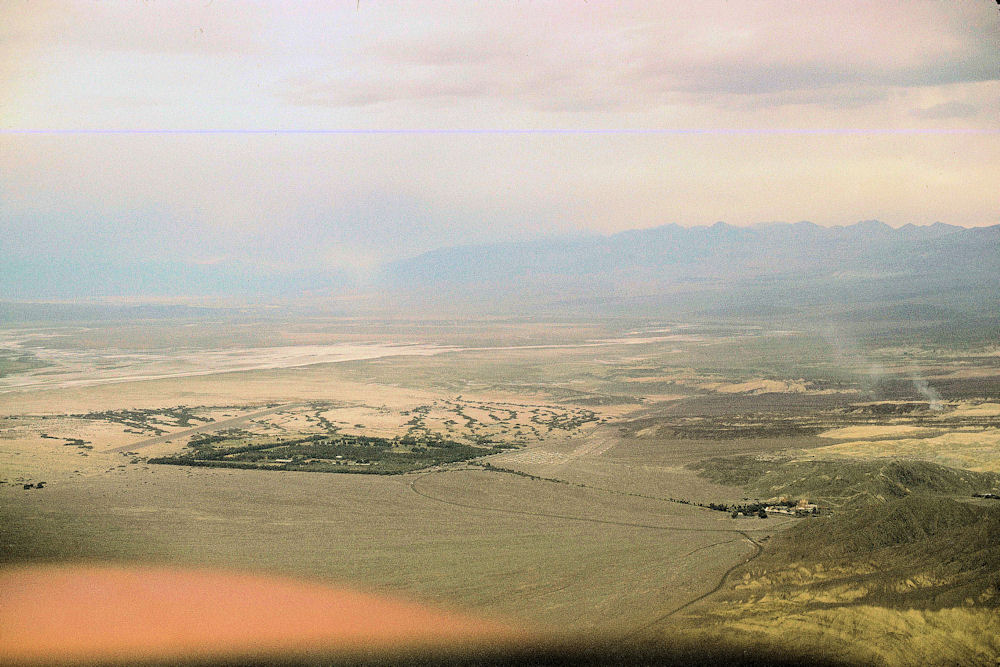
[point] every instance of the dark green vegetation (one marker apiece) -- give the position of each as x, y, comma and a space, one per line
745, 407
490, 422
70, 442
326, 453
843, 483
149, 421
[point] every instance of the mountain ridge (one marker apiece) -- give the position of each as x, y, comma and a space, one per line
792, 265
699, 241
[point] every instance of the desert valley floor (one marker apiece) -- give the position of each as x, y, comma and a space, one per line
572, 477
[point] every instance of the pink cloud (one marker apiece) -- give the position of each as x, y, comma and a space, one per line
630, 56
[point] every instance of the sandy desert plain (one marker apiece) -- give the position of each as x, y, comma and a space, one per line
555, 475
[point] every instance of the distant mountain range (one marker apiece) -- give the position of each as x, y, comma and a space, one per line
862, 272
867, 269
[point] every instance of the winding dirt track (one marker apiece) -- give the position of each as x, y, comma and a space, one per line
204, 428
758, 549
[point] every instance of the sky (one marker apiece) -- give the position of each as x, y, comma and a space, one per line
343, 134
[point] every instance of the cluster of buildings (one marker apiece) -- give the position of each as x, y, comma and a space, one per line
801, 508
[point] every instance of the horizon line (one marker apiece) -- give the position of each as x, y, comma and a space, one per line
501, 131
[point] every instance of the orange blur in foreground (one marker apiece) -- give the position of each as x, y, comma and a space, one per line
88, 613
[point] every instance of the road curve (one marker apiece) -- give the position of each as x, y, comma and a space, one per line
204, 428
758, 548
722, 582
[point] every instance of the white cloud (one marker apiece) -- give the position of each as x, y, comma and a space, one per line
626, 57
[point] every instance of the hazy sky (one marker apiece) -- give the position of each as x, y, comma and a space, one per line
825, 111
